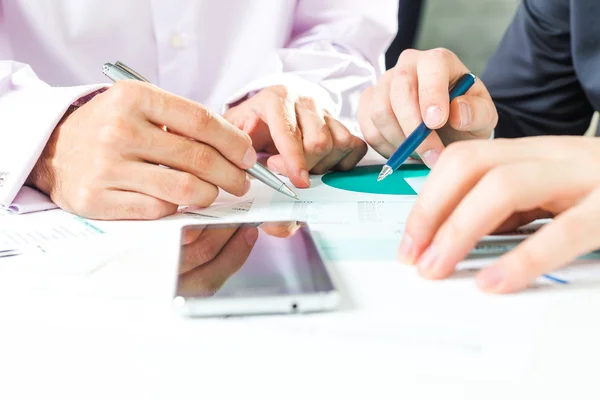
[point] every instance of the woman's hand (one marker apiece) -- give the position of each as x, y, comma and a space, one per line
481, 187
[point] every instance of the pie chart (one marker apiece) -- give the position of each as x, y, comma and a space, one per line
364, 179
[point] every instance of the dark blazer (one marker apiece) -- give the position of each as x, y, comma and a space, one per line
409, 21
545, 75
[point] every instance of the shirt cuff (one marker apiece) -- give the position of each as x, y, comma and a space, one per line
29, 116
295, 84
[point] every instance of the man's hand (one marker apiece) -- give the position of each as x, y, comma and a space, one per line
302, 136
417, 90
107, 159
481, 187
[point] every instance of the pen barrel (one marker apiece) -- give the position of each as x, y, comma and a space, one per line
265, 176
462, 86
413, 141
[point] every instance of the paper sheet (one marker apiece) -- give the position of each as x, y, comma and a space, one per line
42, 232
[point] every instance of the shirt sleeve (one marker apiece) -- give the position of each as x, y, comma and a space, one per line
30, 109
532, 77
334, 53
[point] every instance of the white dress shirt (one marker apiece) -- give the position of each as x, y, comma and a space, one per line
211, 51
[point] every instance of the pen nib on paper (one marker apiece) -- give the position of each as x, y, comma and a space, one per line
385, 172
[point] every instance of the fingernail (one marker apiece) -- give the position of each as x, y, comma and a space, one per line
426, 263
304, 177
434, 116
247, 185
405, 250
249, 158
430, 157
490, 278
466, 114
251, 234
274, 170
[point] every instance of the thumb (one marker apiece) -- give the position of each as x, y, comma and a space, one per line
473, 114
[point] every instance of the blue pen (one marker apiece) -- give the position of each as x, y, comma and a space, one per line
416, 138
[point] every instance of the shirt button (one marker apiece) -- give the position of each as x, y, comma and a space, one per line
177, 41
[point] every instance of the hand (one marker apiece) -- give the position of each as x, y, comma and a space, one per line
417, 90
211, 256
480, 187
105, 160
303, 136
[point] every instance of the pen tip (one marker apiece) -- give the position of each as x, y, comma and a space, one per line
288, 192
385, 172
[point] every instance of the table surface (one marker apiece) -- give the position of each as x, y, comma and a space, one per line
111, 333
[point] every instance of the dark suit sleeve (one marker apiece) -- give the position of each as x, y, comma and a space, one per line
531, 76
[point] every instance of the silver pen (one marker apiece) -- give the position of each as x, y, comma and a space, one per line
119, 71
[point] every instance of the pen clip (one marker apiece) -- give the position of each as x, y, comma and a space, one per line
125, 68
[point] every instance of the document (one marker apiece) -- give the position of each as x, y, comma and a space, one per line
41, 232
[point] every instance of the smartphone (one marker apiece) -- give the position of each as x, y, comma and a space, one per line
252, 268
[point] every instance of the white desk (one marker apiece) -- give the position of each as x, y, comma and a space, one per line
111, 334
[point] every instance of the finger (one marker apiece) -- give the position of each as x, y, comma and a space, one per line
198, 159
474, 114
172, 186
572, 234
460, 167
316, 136
280, 115
206, 247
190, 234
371, 134
382, 112
344, 144
520, 219
209, 278
434, 69
405, 103
123, 205
500, 193
188, 118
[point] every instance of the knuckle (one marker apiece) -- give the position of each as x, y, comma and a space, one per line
185, 189
347, 142
308, 102
125, 93
280, 91
114, 132
428, 93
441, 53
206, 249
201, 117
373, 137
408, 54
202, 158
84, 200
321, 144
381, 111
